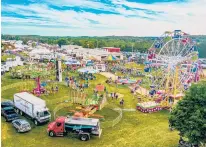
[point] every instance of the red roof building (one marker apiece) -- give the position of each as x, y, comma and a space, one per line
112, 49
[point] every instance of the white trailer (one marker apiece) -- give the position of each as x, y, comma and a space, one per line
4, 68
100, 67
18, 61
14, 62
10, 63
32, 106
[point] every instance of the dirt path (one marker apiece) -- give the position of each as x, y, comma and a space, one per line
141, 90
109, 75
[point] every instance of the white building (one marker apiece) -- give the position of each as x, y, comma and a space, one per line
41, 53
99, 54
70, 47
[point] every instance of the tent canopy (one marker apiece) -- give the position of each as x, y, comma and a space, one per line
72, 62
111, 58
92, 58
89, 63
40, 51
100, 87
86, 70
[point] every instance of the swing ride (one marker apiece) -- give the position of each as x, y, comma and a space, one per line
81, 98
172, 66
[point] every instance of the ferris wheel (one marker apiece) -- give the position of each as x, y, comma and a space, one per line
172, 64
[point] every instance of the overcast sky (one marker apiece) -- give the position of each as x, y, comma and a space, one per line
102, 17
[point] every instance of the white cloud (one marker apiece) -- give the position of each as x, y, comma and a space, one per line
190, 17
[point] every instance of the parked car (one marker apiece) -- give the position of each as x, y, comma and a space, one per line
9, 113
7, 103
21, 125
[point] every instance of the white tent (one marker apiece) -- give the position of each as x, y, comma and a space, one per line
40, 51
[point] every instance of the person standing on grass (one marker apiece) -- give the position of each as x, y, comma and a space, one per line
52, 89
116, 96
66, 79
105, 89
68, 83
57, 88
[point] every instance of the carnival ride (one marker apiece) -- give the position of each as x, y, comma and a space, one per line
79, 97
39, 87
86, 111
172, 66
35, 71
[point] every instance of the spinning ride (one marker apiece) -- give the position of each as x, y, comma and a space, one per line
172, 66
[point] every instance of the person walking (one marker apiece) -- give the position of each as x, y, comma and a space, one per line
122, 102
112, 95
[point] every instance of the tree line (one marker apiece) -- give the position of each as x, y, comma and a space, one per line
126, 43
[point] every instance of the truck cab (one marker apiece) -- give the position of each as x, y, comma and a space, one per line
83, 127
42, 115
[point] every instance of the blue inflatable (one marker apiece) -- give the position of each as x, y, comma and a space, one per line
152, 92
147, 69
43, 84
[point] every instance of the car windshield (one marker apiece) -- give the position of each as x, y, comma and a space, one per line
3, 106
45, 113
10, 111
6, 103
25, 125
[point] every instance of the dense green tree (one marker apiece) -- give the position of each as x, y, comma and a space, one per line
62, 41
33, 44
202, 49
24, 41
189, 116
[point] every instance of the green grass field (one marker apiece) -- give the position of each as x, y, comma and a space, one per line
136, 129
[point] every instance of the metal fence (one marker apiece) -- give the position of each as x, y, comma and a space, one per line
115, 121
59, 107
118, 119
